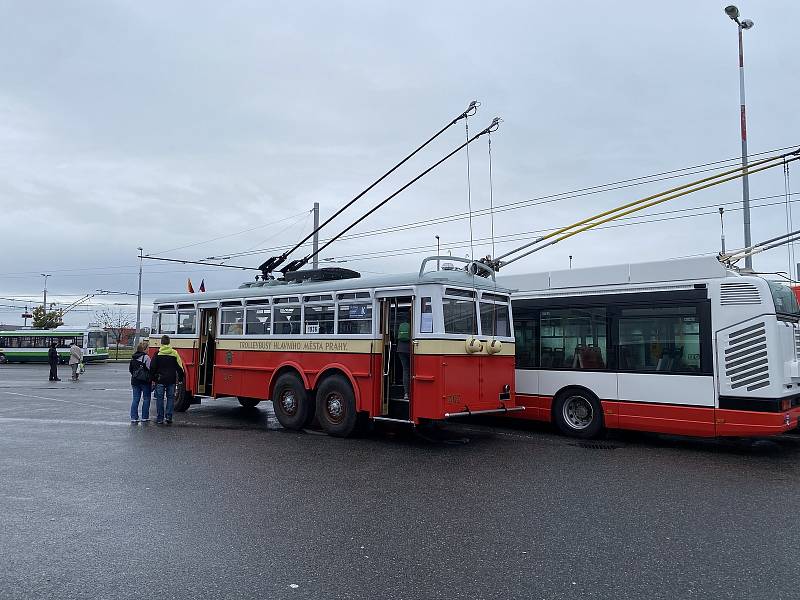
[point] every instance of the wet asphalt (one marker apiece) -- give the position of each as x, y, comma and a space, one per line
226, 504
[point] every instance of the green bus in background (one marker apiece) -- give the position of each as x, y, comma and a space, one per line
31, 345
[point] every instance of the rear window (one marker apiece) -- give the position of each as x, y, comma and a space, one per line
784, 299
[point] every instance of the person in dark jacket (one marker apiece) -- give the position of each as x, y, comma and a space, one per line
52, 358
139, 368
166, 369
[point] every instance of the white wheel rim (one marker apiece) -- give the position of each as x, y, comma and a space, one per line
578, 412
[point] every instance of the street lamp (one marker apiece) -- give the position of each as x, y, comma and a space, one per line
733, 13
44, 300
138, 302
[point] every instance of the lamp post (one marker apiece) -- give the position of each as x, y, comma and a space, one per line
438, 252
733, 13
138, 302
44, 299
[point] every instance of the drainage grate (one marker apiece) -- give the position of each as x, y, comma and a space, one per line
594, 445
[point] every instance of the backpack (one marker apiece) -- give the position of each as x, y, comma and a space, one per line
140, 372
403, 332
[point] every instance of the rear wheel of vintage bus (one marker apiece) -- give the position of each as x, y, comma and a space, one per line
293, 409
578, 413
336, 407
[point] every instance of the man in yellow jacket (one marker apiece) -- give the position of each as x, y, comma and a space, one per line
166, 369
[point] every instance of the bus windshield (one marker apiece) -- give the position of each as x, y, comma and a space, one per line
784, 298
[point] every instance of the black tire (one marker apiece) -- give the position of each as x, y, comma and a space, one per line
578, 413
248, 402
183, 398
3, 359
290, 402
336, 407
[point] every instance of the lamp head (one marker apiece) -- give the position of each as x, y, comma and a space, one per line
732, 12
747, 24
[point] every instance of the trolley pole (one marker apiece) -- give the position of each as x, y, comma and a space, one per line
733, 13
438, 253
315, 262
722, 228
138, 303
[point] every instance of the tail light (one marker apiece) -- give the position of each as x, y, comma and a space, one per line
786, 404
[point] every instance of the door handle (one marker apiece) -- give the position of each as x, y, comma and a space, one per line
388, 359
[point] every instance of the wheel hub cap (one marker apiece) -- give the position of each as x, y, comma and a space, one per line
288, 402
334, 405
578, 412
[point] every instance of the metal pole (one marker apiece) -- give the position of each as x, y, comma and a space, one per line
748, 261
315, 262
44, 299
722, 228
438, 253
138, 303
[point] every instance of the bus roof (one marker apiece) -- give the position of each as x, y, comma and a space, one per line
682, 269
456, 277
62, 330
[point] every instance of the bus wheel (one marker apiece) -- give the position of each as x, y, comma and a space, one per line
290, 401
336, 407
182, 398
578, 413
248, 402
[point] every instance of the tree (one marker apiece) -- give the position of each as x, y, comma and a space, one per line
44, 319
115, 321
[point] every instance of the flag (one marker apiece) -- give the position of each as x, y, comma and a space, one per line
189, 285
202, 285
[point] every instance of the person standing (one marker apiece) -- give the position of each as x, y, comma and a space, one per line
139, 368
52, 358
166, 369
75, 357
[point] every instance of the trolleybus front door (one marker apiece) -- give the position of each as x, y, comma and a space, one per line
205, 364
397, 328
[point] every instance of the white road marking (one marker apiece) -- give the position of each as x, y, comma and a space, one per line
64, 421
61, 400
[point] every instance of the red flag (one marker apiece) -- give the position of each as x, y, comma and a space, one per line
202, 285
189, 285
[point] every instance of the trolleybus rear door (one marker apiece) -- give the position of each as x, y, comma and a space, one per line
205, 364
396, 327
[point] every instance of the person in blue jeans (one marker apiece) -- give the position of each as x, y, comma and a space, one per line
141, 390
166, 369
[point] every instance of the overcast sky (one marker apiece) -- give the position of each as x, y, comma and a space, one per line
165, 125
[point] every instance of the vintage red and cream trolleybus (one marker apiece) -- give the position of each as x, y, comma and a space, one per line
329, 344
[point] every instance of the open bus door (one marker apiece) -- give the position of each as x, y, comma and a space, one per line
397, 328
205, 363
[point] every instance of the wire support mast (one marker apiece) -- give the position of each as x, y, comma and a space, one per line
297, 264
274, 262
593, 221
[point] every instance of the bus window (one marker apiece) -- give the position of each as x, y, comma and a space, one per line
660, 340
355, 318
319, 318
573, 338
286, 320
154, 323
98, 339
459, 315
232, 321
169, 322
494, 320
258, 320
426, 315
187, 322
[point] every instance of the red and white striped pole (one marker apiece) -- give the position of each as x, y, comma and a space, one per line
733, 13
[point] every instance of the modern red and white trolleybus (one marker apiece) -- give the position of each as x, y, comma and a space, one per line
333, 349
682, 347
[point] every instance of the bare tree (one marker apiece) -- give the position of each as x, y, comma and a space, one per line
115, 321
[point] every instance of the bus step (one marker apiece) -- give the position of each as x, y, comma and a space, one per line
390, 420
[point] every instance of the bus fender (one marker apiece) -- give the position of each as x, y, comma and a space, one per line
285, 368
339, 368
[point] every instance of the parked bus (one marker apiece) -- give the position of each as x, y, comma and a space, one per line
682, 347
32, 345
337, 349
